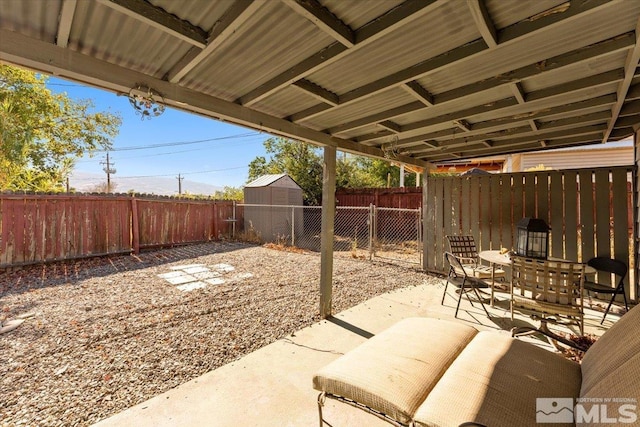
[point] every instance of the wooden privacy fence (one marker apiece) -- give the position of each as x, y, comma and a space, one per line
402, 198
590, 212
39, 228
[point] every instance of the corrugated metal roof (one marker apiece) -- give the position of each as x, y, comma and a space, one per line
276, 180
357, 74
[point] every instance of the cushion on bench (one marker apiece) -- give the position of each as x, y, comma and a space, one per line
394, 371
495, 382
616, 346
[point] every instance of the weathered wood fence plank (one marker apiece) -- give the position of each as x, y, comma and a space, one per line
38, 228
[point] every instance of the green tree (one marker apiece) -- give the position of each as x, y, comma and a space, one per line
229, 193
43, 133
301, 161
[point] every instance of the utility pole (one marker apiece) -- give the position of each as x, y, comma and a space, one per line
179, 178
109, 170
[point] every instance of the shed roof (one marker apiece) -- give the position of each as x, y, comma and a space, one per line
414, 81
277, 180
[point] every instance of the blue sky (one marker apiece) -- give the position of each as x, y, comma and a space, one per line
221, 162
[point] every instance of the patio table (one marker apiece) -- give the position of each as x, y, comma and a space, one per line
495, 257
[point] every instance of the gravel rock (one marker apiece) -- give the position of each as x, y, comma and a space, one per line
101, 335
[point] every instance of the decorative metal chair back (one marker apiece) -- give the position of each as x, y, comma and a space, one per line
464, 248
549, 290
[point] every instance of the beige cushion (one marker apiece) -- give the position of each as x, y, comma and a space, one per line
495, 381
395, 370
620, 386
618, 345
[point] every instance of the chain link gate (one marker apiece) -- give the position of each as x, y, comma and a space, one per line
359, 232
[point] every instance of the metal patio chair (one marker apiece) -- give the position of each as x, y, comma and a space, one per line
610, 266
461, 276
548, 291
465, 249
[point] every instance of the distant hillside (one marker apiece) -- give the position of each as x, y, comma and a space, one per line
85, 181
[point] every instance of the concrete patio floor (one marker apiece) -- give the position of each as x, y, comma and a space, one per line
272, 386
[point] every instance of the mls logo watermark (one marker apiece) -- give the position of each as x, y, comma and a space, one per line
554, 410
586, 410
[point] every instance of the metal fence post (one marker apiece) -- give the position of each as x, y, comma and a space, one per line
293, 226
233, 224
419, 225
370, 222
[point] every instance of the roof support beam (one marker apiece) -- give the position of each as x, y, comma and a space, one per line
508, 34
237, 15
577, 122
577, 85
388, 124
416, 90
65, 21
158, 18
514, 148
483, 22
322, 18
317, 91
629, 72
575, 109
46, 57
407, 12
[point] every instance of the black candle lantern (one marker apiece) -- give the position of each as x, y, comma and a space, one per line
533, 238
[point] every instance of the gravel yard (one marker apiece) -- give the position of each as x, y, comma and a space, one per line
101, 335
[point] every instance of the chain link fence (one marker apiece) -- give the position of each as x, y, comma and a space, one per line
359, 232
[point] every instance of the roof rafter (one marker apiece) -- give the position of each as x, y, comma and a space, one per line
322, 18
391, 21
160, 19
509, 34
238, 13
633, 57
483, 22
508, 122
559, 128
560, 89
46, 57
65, 21
317, 91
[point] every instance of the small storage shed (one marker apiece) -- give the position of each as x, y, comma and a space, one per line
273, 207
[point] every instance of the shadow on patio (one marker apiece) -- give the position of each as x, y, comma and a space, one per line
272, 386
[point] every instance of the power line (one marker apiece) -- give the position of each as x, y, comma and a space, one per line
173, 144
166, 153
187, 173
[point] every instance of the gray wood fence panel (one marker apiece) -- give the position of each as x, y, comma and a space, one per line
440, 218
587, 222
430, 223
518, 195
506, 239
621, 239
465, 208
495, 212
576, 203
557, 216
456, 212
603, 213
474, 205
542, 202
571, 215
530, 195
485, 213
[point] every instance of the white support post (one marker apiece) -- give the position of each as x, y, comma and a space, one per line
326, 240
